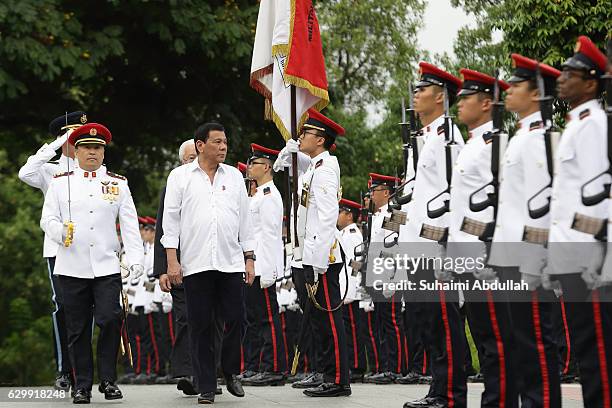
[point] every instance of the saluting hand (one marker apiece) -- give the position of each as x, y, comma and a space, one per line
174, 273
250, 271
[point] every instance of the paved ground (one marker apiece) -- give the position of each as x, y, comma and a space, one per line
364, 395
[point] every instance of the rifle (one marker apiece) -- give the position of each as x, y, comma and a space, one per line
361, 250
592, 225
546, 109
499, 140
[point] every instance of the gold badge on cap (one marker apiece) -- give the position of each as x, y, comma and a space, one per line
84, 119
577, 47
93, 131
513, 64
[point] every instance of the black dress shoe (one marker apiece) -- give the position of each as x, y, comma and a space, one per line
476, 378
185, 384
298, 377
126, 379
427, 402
410, 378
62, 382
247, 374
356, 377
380, 378
218, 391
81, 396
110, 390
265, 379
425, 379
206, 398
329, 390
233, 385
312, 381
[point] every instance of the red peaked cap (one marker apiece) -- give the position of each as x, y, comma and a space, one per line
381, 180
261, 151
432, 75
151, 220
349, 205
242, 167
142, 220
318, 121
587, 57
91, 133
526, 68
474, 81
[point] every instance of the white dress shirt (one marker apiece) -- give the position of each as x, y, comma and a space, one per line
266, 208
210, 219
581, 155
97, 199
523, 174
350, 238
38, 172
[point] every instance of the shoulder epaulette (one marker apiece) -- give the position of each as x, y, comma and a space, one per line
584, 114
319, 164
353, 230
535, 125
487, 137
67, 173
53, 162
441, 129
266, 190
115, 175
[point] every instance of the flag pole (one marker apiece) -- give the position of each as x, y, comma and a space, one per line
294, 166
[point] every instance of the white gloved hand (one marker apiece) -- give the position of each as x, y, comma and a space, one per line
592, 275
443, 275
59, 142
319, 271
294, 307
293, 146
388, 293
369, 307
485, 274
280, 164
266, 283
136, 271
533, 281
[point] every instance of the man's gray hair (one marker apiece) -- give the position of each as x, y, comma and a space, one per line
183, 147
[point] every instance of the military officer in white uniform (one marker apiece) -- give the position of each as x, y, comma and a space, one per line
437, 312
79, 214
319, 250
38, 172
580, 157
350, 238
487, 311
266, 212
524, 173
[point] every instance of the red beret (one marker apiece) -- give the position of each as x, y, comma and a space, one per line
242, 167
432, 75
526, 68
349, 205
474, 81
261, 151
316, 120
91, 133
587, 57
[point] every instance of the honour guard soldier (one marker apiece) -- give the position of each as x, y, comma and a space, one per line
487, 313
580, 157
79, 214
524, 173
266, 210
350, 238
318, 251
440, 320
38, 172
388, 307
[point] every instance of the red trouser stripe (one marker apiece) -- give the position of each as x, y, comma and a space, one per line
449, 351
154, 342
171, 327
398, 336
284, 329
406, 352
272, 329
138, 368
601, 350
540, 346
567, 336
354, 335
241, 358
148, 364
500, 350
333, 328
373, 340
305, 363
424, 362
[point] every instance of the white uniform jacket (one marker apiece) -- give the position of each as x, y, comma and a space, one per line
350, 238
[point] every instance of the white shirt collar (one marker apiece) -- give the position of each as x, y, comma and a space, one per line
264, 185
481, 130
528, 120
319, 156
433, 126
348, 227
196, 165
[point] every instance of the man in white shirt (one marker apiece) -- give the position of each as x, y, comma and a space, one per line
206, 208
487, 311
38, 172
524, 173
580, 157
266, 212
80, 211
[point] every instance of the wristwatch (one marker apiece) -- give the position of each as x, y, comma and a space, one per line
250, 256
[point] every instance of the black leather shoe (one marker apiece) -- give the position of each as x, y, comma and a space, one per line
246, 374
313, 380
265, 379
110, 390
410, 378
185, 384
380, 378
233, 385
329, 390
62, 382
140, 379
427, 402
206, 398
218, 391
356, 377
81, 396
425, 379
126, 379
476, 378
